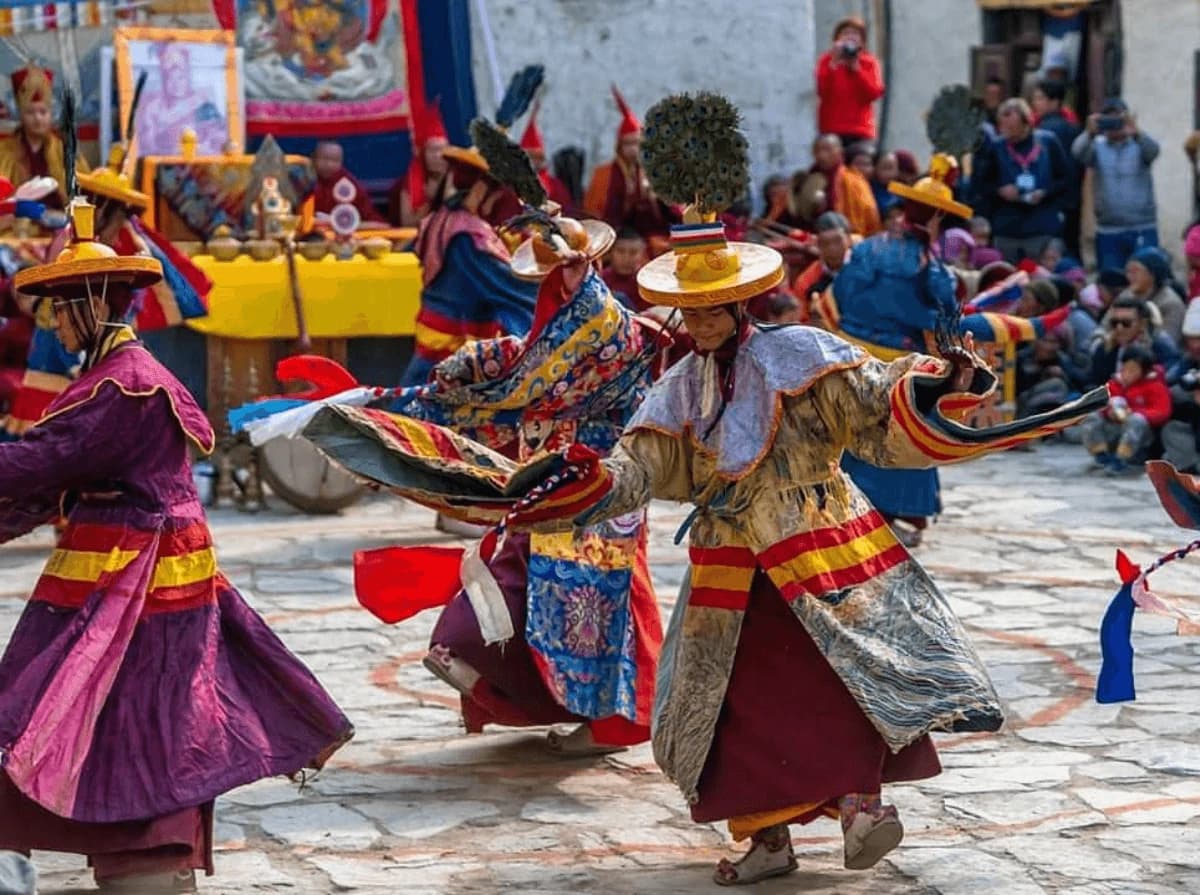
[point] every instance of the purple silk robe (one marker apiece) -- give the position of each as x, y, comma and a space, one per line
138, 685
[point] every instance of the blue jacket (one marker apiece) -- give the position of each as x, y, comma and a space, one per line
1057, 124
886, 297
998, 165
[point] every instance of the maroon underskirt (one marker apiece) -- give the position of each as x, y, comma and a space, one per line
178, 841
507, 668
789, 731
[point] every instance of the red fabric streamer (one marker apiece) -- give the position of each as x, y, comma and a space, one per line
1126, 568
395, 583
327, 377
226, 13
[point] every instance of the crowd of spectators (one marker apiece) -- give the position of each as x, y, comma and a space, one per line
1042, 174
1130, 322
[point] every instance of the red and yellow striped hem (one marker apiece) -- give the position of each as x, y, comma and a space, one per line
832, 559
721, 577
938, 446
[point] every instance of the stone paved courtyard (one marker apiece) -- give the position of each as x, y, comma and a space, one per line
1071, 798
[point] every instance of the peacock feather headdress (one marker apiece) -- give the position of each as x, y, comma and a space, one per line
507, 162
954, 124
695, 153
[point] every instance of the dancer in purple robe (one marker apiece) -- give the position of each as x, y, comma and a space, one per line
138, 685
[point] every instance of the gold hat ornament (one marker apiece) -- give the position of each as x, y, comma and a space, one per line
936, 189
85, 258
695, 155
114, 180
111, 182
539, 254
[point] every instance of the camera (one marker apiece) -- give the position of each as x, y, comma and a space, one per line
1110, 122
850, 50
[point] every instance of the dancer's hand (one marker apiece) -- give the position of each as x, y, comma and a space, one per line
574, 268
964, 362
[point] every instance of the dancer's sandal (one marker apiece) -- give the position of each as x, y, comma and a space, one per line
579, 743
870, 836
770, 855
151, 884
447, 667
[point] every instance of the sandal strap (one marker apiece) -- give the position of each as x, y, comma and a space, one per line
773, 838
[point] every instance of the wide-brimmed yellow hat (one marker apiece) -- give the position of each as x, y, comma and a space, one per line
935, 190
110, 183
704, 269
469, 156
528, 266
84, 258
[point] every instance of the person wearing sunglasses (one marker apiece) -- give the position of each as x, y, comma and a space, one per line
1130, 322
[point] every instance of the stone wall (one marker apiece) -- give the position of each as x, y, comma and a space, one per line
930, 48
1160, 37
760, 54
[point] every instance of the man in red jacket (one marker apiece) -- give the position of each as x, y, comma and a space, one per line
1140, 404
849, 81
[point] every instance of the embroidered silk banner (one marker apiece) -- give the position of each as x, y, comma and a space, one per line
316, 68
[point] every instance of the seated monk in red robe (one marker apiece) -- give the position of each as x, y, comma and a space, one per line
328, 160
832, 185
620, 192
620, 275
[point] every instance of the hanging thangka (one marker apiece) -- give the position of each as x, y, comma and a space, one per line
319, 68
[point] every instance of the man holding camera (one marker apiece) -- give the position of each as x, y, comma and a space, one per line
1120, 154
849, 80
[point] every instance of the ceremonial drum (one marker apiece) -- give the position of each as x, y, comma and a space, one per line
300, 474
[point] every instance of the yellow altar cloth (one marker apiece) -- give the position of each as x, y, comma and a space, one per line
341, 299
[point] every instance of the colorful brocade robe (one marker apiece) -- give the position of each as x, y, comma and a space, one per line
575, 380
468, 289
770, 496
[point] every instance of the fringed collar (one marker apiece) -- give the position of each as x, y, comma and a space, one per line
772, 363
